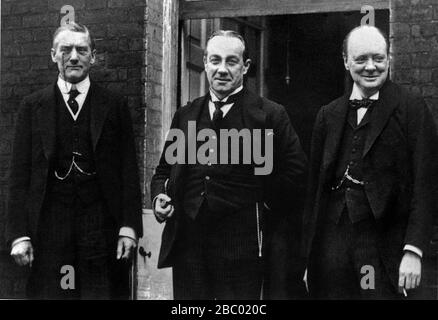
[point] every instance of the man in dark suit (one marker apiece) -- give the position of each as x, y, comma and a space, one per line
217, 218
373, 182
74, 209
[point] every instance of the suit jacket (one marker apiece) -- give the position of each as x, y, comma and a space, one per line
400, 170
258, 113
34, 150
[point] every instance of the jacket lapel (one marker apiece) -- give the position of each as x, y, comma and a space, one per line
192, 113
336, 120
380, 115
99, 110
47, 120
254, 116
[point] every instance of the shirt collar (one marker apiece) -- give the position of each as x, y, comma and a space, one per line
356, 94
214, 98
82, 86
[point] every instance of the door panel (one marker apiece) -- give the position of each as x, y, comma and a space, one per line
194, 35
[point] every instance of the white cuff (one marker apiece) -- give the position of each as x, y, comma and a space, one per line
18, 240
165, 185
128, 232
413, 249
153, 203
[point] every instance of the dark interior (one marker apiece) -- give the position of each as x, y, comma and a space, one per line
315, 62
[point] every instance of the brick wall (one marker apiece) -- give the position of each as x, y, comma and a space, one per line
119, 28
414, 42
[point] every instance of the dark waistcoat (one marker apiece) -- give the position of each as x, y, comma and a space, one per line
73, 140
225, 187
350, 195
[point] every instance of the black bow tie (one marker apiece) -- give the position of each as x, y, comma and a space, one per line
364, 103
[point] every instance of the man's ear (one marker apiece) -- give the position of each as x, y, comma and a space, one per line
53, 53
246, 65
93, 56
204, 59
347, 67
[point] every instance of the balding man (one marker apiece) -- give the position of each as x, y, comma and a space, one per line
373, 182
74, 200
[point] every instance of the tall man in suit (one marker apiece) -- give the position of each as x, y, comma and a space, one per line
74, 210
216, 214
373, 182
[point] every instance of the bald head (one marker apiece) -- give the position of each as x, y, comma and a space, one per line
366, 58
361, 33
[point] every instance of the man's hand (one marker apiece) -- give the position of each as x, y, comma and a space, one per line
409, 271
22, 253
125, 247
163, 210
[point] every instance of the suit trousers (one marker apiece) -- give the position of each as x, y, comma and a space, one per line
345, 262
80, 237
217, 256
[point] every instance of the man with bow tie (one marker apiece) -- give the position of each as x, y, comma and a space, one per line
74, 210
216, 236
373, 182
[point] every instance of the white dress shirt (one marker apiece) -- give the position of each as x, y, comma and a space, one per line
226, 107
357, 95
82, 87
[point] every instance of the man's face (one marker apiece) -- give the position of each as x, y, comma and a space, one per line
224, 65
73, 55
367, 60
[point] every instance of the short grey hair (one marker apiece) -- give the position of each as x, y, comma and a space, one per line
75, 27
229, 34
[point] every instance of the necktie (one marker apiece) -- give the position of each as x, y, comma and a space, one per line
364, 103
218, 113
72, 103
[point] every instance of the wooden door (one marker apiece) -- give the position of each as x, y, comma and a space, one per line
194, 36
